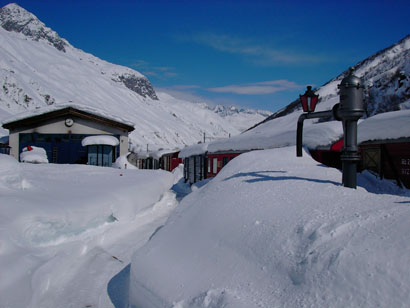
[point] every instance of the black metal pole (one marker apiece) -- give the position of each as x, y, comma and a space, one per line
299, 135
351, 110
299, 130
350, 154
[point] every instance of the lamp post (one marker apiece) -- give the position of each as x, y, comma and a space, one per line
349, 111
309, 100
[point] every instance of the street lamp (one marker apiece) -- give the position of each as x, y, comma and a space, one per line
349, 111
309, 100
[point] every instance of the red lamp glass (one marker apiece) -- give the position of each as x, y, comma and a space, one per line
309, 100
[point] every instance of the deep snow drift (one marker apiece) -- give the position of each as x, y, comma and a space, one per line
273, 230
66, 230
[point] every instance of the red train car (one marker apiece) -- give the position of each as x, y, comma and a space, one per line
330, 155
390, 159
200, 166
216, 161
170, 161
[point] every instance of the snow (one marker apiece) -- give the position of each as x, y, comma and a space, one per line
241, 118
274, 230
158, 154
66, 230
43, 110
271, 230
143, 155
34, 154
389, 125
280, 132
123, 163
33, 72
3, 115
100, 139
195, 149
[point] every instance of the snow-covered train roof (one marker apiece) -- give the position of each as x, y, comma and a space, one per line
389, 125
158, 154
273, 134
196, 149
281, 132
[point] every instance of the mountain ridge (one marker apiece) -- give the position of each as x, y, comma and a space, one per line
17, 19
14, 18
39, 68
386, 75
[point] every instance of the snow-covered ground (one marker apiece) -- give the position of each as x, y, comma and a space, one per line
274, 230
66, 230
271, 230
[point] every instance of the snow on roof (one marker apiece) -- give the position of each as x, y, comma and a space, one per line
100, 139
277, 133
195, 149
158, 154
281, 132
143, 155
40, 111
389, 125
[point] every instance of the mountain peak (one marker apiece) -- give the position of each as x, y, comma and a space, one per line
14, 18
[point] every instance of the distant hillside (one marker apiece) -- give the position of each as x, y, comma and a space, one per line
386, 75
39, 68
241, 118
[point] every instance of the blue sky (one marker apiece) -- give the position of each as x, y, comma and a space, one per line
257, 54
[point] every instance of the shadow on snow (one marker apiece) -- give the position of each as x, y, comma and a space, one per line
261, 176
118, 287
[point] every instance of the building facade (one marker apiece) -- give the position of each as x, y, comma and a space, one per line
60, 132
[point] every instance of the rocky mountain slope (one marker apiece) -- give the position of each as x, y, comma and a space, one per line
386, 75
39, 68
14, 18
239, 117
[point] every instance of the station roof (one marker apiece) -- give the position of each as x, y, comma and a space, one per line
34, 117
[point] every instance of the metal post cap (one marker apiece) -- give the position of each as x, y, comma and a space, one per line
351, 81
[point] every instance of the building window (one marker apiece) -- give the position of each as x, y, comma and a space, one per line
100, 155
4, 149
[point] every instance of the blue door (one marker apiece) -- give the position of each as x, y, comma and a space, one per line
60, 148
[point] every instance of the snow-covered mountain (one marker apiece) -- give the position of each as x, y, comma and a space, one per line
386, 75
39, 68
239, 117
387, 80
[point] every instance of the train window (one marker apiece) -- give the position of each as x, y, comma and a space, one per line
215, 165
